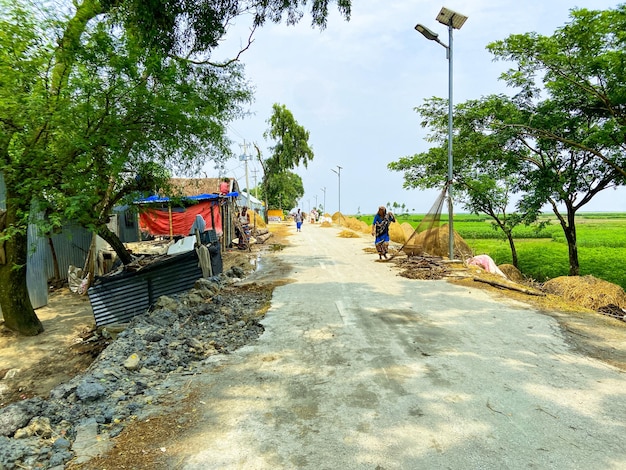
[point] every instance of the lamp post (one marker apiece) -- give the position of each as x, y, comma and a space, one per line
338, 172
452, 20
324, 191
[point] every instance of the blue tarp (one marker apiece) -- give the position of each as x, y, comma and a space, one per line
200, 197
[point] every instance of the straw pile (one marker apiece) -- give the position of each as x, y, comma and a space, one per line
396, 234
348, 234
408, 230
356, 225
512, 273
587, 291
435, 242
256, 220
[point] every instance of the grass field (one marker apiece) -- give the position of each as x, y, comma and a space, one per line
542, 253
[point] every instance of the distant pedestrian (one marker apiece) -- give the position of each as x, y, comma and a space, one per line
243, 228
299, 218
380, 230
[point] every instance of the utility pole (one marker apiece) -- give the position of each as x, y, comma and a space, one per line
324, 208
338, 172
244, 157
256, 188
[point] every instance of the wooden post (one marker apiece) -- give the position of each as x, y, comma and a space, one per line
169, 208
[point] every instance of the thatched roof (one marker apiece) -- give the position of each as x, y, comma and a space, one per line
195, 186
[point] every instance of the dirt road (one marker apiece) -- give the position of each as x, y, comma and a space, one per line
362, 369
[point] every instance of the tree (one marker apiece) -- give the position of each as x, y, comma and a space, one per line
72, 134
581, 67
560, 143
291, 149
485, 162
577, 135
284, 190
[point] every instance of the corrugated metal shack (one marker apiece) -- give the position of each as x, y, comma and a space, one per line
117, 298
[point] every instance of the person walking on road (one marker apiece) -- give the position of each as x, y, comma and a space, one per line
299, 218
380, 230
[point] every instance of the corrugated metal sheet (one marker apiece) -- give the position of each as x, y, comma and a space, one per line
117, 299
127, 224
71, 247
36, 278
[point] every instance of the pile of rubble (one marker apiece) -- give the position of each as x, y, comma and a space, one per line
148, 360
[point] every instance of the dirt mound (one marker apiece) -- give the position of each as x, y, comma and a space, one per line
587, 291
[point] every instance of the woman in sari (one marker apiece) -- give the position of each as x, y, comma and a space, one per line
380, 230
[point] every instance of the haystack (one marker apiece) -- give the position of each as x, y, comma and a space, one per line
356, 224
512, 273
435, 242
348, 234
396, 234
338, 218
587, 291
408, 230
256, 220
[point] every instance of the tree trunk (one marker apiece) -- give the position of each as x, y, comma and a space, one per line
17, 309
55, 264
569, 230
572, 245
509, 236
117, 245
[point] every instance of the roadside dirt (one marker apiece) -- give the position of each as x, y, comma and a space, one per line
32, 366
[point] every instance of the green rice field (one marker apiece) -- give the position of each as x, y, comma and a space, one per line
542, 253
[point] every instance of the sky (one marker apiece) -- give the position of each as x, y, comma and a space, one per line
354, 87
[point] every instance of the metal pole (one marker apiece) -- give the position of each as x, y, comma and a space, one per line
247, 184
338, 172
450, 210
339, 176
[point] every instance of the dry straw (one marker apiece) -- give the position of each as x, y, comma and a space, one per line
587, 291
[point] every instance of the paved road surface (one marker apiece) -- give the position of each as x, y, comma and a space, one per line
362, 369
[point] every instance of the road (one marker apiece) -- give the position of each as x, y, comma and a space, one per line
360, 368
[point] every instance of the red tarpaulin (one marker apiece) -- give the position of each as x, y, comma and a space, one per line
157, 221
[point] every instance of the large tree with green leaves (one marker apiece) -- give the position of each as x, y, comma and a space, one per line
96, 92
484, 161
577, 135
291, 149
283, 190
581, 67
558, 144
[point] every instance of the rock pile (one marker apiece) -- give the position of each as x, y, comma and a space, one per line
148, 360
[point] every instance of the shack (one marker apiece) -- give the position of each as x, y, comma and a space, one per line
174, 224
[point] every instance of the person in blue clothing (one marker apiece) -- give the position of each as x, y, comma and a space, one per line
380, 230
299, 218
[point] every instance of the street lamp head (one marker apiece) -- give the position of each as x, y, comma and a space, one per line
451, 18
427, 33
